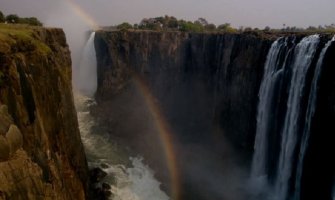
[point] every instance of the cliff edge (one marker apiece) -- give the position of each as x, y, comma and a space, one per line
42, 156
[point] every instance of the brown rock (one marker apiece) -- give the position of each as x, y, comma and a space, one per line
5, 120
39, 97
14, 138
4, 149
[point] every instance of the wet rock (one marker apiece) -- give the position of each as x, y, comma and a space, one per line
5, 120
104, 166
4, 110
97, 174
103, 192
106, 186
4, 149
14, 138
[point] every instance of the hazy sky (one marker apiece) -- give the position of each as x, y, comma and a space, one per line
254, 13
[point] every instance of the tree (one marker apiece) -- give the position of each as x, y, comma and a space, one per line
311, 28
160, 20
124, 26
172, 22
226, 27
31, 21
190, 27
12, 18
150, 24
267, 28
2, 17
202, 21
210, 27
248, 29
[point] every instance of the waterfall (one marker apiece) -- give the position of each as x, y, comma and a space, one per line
129, 177
286, 62
86, 82
309, 115
303, 56
270, 77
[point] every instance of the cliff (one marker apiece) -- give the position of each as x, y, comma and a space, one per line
207, 87
202, 81
42, 156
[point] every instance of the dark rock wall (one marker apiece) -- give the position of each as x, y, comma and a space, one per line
35, 85
207, 85
202, 81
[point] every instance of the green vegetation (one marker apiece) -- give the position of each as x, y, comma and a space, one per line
22, 38
201, 25
12, 19
170, 23
31, 21
190, 27
15, 19
2, 17
124, 26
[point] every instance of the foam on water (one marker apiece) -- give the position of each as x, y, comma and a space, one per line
133, 182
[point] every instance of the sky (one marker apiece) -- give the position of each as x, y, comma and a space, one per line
246, 13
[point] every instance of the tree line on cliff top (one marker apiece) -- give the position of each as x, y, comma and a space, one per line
170, 23
15, 19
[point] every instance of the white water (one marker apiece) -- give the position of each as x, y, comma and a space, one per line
265, 97
309, 115
304, 53
128, 183
86, 81
129, 178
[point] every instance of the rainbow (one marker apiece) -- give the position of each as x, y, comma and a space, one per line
165, 133
83, 14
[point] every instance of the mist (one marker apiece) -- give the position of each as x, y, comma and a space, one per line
77, 33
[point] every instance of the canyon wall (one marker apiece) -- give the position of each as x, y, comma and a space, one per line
207, 86
43, 157
207, 80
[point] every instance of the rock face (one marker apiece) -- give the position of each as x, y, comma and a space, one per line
206, 87
201, 80
37, 117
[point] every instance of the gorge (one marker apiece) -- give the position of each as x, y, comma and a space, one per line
207, 87
169, 115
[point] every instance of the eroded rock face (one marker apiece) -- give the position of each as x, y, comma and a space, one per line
202, 81
5, 120
14, 138
47, 159
4, 149
205, 87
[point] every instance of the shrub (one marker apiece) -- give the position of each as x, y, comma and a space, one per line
190, 27
124, 26
31, 21
12, 18
2, 17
